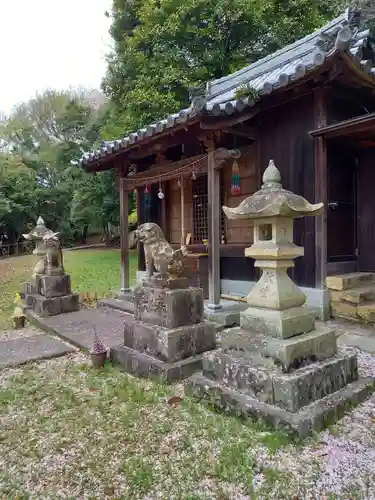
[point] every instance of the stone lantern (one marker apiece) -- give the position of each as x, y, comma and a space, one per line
275, 301
277, 367
36, 235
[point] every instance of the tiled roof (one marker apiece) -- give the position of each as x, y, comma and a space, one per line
266, 75
290, 64
110, 147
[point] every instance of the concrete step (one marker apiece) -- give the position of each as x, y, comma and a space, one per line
354, 296
367, 312
350, 280
120, 305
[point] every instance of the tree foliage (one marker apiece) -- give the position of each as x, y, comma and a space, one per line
42, 141
165, 48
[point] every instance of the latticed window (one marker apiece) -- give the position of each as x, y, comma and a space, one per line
200, 209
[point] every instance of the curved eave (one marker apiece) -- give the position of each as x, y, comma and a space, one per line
102, 158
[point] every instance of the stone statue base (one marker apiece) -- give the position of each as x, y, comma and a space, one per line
299, 383
49, 295
167, 335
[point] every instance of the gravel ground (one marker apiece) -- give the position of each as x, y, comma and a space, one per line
70, 432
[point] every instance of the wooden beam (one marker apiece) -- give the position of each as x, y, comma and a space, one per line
242, 131
355, 125
124, 238
223, 122
214, 211
321, 179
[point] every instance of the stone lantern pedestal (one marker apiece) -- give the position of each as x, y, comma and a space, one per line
278, 367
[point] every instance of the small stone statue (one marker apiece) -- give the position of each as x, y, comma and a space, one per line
158, 252
54, 257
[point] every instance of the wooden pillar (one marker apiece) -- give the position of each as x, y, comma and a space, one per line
321, 178
214, 234
124, 238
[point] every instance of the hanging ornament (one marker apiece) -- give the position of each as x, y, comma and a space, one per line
160, 193
179, 183
147, 197
235, 188
193, 176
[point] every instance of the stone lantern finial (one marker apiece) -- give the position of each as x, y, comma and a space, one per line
271, 176
40, 221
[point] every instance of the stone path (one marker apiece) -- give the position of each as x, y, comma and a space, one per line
22, 346
77, 327
354, 334
30, 344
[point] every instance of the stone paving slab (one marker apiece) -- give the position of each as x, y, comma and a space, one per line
28, 331
23, 350
77, 327
359, 341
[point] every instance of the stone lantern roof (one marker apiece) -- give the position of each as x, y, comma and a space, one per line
38, 231
272, 200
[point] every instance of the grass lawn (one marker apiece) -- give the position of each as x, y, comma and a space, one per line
70, 432
90, 270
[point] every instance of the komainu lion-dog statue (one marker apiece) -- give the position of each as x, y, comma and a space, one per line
159, 255
54, 257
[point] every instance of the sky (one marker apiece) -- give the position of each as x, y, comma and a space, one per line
51, 44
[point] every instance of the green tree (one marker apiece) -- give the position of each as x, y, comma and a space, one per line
165, 48
47, 135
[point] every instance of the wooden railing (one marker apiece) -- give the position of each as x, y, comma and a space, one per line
17, 249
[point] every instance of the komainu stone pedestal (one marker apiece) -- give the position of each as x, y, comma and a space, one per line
49, 291
50, 295
278, 367
167, 335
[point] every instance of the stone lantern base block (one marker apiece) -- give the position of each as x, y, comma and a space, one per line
314, 417
141, 364
240, 377
318, 345
279, 324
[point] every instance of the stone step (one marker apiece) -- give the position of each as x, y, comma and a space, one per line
356, 295
350, 280
367, 312
344, 310
359, 295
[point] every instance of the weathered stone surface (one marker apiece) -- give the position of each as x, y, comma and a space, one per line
169, 308
169, 344
350, 280
313, 417
171, 282
293, 391
27, 349
55, 286
51, 306
119, 304
344, 310
319, 344
236, 371
77, 327
143, 365
359, 295
367, 312
279, 324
